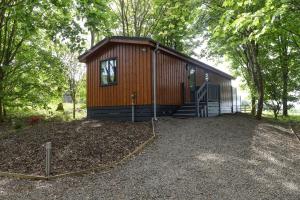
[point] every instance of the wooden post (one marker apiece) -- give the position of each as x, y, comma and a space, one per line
206, 108
219, 96
231, 99
133, 96
132, 112
236, 100
48, 158
240, 103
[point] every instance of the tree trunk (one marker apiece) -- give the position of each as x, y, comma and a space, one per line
92, 38
123, 17
253, 106
275, 113
284, 98
285, 77
4, 111
284, 62
251, 50
73, 96
1, 109
260, 103
1, 94
74, 108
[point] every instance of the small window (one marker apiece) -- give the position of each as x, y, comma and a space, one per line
108, 72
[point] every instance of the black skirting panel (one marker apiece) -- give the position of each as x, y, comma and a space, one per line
124, 113
213, 109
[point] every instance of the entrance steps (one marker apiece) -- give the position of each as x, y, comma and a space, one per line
187, 110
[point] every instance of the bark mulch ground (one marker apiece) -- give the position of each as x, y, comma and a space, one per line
76, 145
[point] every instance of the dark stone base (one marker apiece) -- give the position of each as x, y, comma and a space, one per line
124, 113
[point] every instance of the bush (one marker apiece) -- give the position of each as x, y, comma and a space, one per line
83, 106
60, 107
18, 124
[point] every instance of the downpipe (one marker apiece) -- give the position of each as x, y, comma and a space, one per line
154, 81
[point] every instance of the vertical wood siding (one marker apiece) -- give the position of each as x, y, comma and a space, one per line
200, 76
133, 75
171, 72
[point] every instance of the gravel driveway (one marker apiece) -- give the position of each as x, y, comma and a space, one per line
228, 157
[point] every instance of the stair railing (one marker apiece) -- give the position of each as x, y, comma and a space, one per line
200, 94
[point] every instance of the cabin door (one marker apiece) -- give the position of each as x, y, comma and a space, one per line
191, 83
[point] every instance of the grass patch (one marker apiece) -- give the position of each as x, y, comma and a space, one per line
292, 118
18, 119
51, 113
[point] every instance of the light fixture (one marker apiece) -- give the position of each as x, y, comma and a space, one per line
206, 76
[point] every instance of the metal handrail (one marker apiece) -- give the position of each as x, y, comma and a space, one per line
200, 89
199, 95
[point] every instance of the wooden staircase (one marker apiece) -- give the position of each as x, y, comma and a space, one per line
187, 110
206, 103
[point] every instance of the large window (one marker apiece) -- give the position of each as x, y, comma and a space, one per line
108, 72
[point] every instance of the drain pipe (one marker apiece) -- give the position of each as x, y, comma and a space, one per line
154, 79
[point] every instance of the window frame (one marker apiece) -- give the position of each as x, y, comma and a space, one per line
100, 73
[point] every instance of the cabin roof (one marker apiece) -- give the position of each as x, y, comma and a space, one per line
148, 41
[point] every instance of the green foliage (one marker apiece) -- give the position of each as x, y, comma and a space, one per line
261, 39
31, 74
97, 16
35, 78
177, 25
81, 94
170, 22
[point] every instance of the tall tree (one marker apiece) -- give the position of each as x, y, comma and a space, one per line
232, 27
97, 17
177, 26
20, 22
255, 34
136, 17
74, 74
35, 78
281, 19
170, 22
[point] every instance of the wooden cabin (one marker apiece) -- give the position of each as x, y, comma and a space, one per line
138, 77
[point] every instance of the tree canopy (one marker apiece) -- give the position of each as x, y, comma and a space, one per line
261, 39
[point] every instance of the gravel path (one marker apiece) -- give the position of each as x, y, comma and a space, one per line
229, 157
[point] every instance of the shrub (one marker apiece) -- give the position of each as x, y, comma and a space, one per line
17, 124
